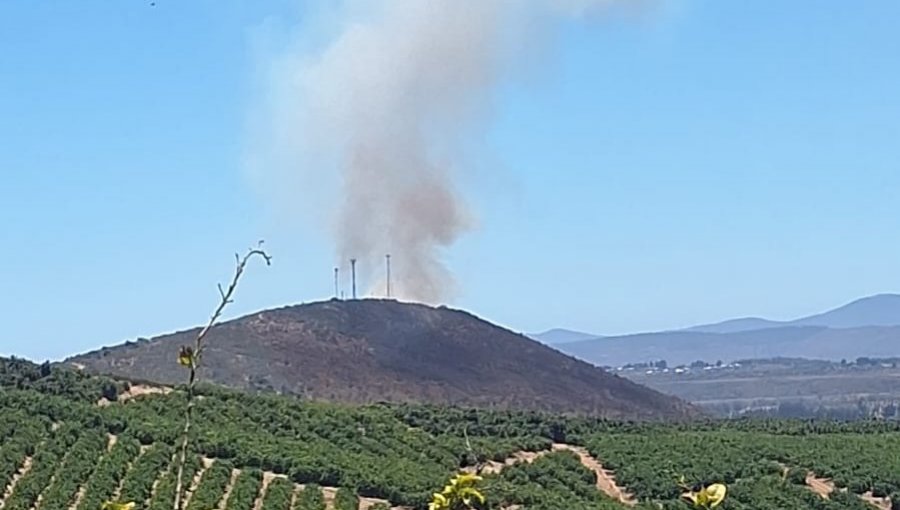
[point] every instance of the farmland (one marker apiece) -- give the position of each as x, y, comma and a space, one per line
62, 450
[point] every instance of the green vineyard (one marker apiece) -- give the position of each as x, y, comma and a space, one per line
65, 447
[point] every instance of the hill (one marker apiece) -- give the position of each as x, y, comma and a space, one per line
378, 350
61, 450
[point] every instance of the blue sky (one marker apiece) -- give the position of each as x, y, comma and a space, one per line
707, 160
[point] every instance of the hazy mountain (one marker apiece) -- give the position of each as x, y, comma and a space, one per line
562, 336
736, 325
374, 350
879, 310
682, 347
865, 327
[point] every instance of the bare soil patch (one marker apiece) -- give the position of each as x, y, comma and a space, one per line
821, 486
135, 391
881, 503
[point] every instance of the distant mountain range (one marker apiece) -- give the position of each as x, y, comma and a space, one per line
562, 336
880, 310
865, 327
366, 351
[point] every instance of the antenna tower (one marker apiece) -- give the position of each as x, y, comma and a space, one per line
353, 275
387, 260
337, 292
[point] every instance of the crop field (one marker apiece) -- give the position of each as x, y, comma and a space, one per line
64, 448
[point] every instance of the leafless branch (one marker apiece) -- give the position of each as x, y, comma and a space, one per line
191, 357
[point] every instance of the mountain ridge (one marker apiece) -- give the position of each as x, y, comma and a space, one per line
875, 310
868, 326
562, 336
684, 347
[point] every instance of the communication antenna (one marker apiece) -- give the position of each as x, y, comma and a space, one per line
353, 275
387, 260
337, 291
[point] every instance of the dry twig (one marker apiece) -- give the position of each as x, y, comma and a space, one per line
190, 358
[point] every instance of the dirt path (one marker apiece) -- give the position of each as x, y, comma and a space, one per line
23, 470
267, 479
40, 498
330, 493
229, 488
295, 494
155, 487
206, 463
141, 452
606, 480
78, 497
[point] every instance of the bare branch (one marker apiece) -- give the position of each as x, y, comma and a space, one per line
191, 358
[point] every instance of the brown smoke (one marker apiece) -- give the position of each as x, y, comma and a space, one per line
387, 105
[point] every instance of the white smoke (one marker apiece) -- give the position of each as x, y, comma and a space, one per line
386, 106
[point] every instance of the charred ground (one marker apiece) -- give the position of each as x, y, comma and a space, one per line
379, 350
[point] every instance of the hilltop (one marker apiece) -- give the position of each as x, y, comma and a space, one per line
366, 351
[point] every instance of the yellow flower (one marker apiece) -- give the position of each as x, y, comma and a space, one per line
110, 505
709, 497
467, 494
458, 494
186, 357
439, 502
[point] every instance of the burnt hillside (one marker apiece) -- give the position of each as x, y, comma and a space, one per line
378, 350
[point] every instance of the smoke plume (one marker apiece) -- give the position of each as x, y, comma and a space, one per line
387, 105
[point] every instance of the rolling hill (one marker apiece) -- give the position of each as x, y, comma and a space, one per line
377, 350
